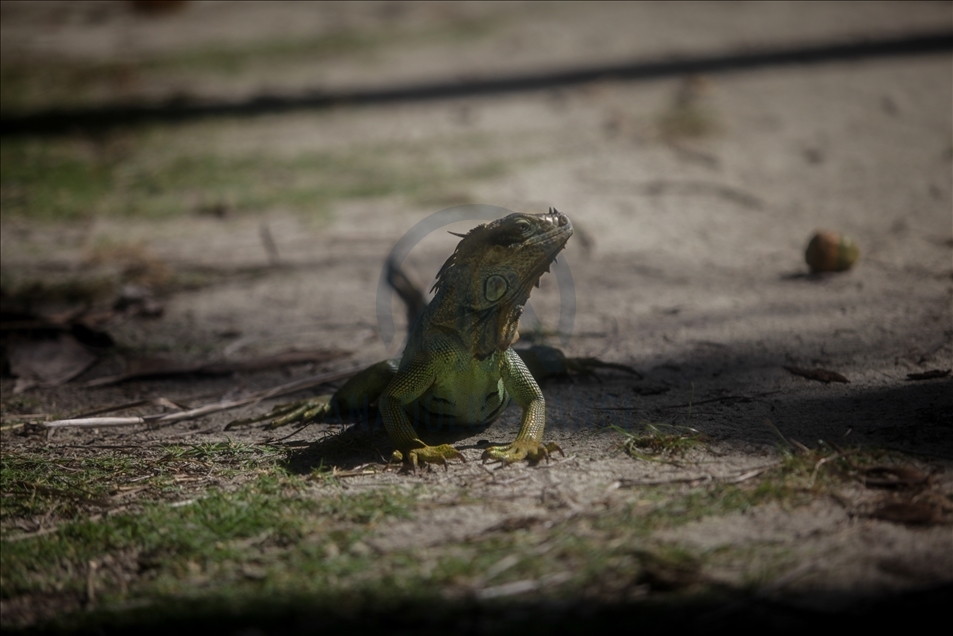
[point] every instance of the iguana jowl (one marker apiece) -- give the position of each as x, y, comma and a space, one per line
458, 366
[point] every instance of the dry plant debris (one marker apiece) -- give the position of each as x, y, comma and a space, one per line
661, 439
821, 375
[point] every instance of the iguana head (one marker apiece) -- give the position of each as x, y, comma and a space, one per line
486, 281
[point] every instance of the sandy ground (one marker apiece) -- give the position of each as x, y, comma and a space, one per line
687, 264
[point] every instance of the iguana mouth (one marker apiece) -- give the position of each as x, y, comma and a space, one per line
550, 242
560, 232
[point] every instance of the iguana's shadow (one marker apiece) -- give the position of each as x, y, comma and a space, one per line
345, 446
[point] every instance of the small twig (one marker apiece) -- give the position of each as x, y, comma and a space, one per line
31, 535
786, 579
500, 566
91, 582
817, 467
521, 587
804, 449
93, 422
268, 242
291, 434
751, 473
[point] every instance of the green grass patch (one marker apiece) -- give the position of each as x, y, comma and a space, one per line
74, 179
41, 484
798, 476
50, 180
222, 527
216, 533
219, 511
60, 485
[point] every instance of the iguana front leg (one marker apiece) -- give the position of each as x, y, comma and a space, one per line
408, 385
520, 384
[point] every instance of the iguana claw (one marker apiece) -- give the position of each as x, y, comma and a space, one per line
427, 455
521, 449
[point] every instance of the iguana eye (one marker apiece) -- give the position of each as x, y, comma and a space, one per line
494, 288
523, 225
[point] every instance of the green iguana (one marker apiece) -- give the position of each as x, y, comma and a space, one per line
459, 367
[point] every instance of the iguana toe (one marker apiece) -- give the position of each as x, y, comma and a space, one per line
427, 455
301, 412
521, 449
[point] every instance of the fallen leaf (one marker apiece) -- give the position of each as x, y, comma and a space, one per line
821, 375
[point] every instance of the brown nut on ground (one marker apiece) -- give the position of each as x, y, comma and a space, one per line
830, 252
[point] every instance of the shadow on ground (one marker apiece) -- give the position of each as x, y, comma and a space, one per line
177, 110
400, 615
365, 441
912, 417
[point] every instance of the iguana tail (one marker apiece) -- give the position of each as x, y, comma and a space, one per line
414, 299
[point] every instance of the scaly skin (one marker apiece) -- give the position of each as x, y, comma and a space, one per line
459, 367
